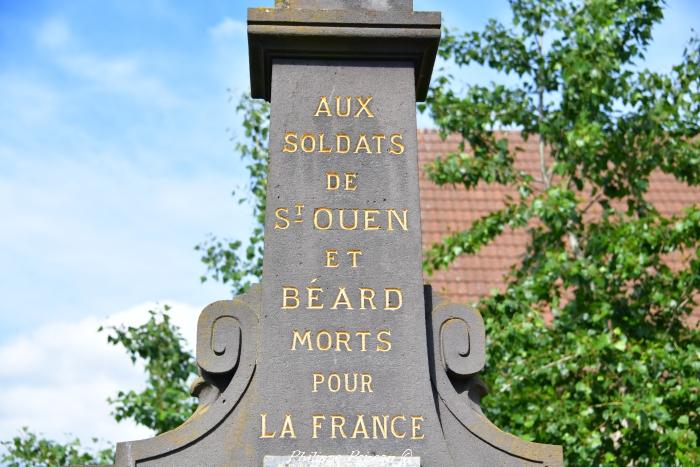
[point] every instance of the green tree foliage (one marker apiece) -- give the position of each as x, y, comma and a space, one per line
615, 376
165, 403
225, 259
30, 450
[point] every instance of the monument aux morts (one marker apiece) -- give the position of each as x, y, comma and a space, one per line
341, 357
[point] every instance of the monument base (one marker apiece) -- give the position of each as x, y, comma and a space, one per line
310, 460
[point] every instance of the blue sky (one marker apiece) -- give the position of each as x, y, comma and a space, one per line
114, 155
116, 159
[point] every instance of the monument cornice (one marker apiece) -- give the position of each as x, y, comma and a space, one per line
288, 33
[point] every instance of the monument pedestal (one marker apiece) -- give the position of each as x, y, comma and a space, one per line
341, 355
341, 461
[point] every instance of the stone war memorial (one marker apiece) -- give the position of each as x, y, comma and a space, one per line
341, 356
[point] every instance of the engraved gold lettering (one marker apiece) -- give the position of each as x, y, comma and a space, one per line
350, 181
341, 341
282, 223
349, 388
363, 145
415, 427
360, 428
339, 148
329, 218
316, 424
380, 424
263, 428
396, 434
308, 137
367, 296
403, 220
322, 143
379, 139
290, 142
287, 428
366, 383
296, 337
321, 148
350, 219
369, 219
332, 259
383, 426
363, 339
337, 421
353, 255
328, 338
342, 299
350, 382
388, 303
318, 379
334, 382
387, 343
313, 295
290, 298
398, 147
342, 337
332, 181
364, 103
338, 106
323, 108
342, 219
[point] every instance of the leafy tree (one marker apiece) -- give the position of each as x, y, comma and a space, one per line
224, 259
615, 377
29, 449
162, 406
165, 403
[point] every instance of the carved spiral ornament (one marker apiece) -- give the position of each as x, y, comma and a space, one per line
219, 341
459, 349
462, 340
227, 339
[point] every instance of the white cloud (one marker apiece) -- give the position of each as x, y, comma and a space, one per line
99, 230
53, 33
228, 28
56, 379
123, 75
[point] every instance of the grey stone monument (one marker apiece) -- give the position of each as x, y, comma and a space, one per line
341, 357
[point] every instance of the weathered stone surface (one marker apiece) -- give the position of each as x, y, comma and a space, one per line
378, 5
341, 350
341, 461
295, 256
397, 35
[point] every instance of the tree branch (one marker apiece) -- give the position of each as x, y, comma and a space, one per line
540, 110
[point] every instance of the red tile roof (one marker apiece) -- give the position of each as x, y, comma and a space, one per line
449, 209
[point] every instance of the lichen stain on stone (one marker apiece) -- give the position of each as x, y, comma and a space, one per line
238, 433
